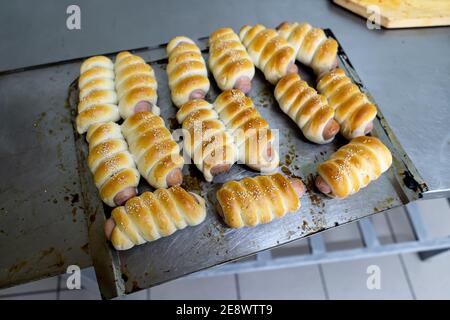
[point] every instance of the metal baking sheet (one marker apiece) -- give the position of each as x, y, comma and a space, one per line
212, 243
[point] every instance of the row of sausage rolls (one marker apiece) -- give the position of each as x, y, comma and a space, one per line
97, 95
354, 112
229, 61
269, 51
135, 84
113, 168
251, 132
307, 108
153, 215
205, 139
156, 153
311, 45
186, 71
258, 200
353, 167
244, 203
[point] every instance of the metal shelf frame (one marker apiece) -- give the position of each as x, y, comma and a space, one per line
425, 245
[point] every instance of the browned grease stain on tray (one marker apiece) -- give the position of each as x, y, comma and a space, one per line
85, 248
315, 199
191, 181
17, 267
173, 123
384, 205
45, 253
265, 98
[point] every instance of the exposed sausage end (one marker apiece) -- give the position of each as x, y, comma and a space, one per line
322, 185
124, 195
175, 177
244, 84
197, 94
110, 224
368, 128
292, 68
298, 186
335, 64
331, 129
220, 168
143, 106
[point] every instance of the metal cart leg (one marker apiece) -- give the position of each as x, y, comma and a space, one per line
420, 231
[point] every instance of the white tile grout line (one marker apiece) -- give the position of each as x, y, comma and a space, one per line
324, 284
408, 279
31, 293
238, 287
58, 284
402, 262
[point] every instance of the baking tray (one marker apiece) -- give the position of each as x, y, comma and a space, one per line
212, 243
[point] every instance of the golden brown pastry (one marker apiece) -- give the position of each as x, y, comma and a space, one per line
270, 52
152, 216
206, 140
156, 152
229, 61
186, 70
258, 200
311, 45
97, 97
113, 167
354, 111
251, 132
135, 84
307, 108
353, 167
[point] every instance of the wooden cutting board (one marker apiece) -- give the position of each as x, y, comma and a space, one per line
403, 13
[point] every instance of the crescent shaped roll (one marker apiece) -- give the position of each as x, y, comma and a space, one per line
354, 111
355, 165
206, 140
251, 132
270, 52
308, 109
153, 215
97, 97
312, 46
258, 200
110, 162
135, 84
153, 147
186, 71
228, 59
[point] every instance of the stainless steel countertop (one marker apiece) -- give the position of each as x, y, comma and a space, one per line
407, 72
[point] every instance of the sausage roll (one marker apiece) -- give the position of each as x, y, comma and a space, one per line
312, 46
153, 215
156, 152
186, 70
354, 112
98, 100
258, 200
229, 61
270, 52
113, 167
307, 108
206, 140
353, 167
135, 84
251, 132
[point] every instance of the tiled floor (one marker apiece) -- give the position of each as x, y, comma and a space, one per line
402, 276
